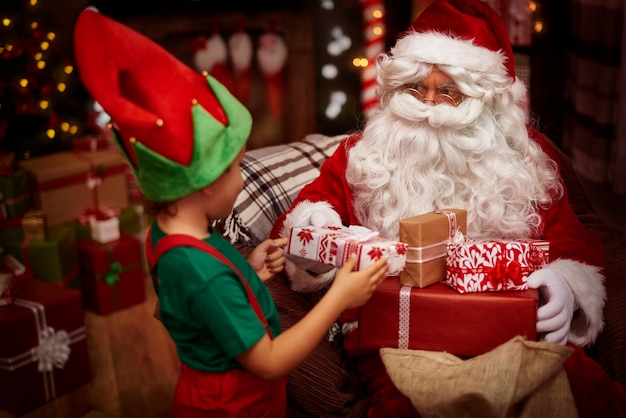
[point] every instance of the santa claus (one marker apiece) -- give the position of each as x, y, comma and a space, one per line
452, 130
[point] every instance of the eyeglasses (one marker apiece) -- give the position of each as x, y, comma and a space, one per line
452, 98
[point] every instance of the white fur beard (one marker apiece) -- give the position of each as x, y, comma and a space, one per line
404, 168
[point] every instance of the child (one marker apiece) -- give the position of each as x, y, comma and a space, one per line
184, 139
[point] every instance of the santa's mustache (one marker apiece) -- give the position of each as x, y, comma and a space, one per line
405, 106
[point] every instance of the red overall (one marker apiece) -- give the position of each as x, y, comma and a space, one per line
233, 393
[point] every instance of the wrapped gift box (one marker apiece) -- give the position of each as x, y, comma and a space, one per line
66, 183
90, 143
438, 318
112, 274
12, 273
426, 236
129, 219
44, 353
334, 245
15, 197
53, 260
492, 265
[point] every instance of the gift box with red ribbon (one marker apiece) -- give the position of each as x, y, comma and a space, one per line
334, 245
15, 196
112, 274
90, 143
44, 353
438, 318
12, 273
493, 265
426, 236
53, 259
66, 183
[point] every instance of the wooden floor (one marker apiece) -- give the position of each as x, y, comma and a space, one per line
133, 363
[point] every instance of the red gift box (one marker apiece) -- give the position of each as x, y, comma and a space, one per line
12, 272
490, 265
333, 246
438, 318
112, 274
44, 353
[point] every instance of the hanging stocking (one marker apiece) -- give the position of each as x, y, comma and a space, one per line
240, 46
212, 57
272, 56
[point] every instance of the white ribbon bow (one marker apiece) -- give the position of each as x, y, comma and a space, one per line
53, 350
361, 233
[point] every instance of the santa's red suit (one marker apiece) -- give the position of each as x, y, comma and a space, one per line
408, 146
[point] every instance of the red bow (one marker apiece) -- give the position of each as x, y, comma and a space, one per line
504, 270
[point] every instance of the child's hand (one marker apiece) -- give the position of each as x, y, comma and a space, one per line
356, 287
268, 258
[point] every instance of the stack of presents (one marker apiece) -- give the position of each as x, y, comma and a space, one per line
70, 240
443, 292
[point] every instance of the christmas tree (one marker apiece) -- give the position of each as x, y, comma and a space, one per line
43, 105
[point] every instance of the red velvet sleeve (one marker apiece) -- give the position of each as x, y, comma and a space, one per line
569, 238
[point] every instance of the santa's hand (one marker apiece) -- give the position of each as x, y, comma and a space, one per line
555, 315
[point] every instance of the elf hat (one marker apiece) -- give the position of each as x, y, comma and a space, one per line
178, 130
465, 33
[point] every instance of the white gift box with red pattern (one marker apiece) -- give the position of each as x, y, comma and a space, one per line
334, 245
493, 265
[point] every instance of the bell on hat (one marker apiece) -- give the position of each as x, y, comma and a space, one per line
465, 33
177, 129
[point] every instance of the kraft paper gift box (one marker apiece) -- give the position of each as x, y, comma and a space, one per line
44, 353
66, 183
53, 260
334, 245
493, 265
426, 236
15, 196
112, 274
438, 318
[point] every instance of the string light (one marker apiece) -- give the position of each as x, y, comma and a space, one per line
61, 87
6, 22
51, 133
43, 104
68, 69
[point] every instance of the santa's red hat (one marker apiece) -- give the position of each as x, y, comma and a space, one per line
177, 129
465, 33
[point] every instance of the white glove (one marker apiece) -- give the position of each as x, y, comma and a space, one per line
554, 316
319, 219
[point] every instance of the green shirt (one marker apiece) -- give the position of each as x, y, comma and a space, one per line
203, 304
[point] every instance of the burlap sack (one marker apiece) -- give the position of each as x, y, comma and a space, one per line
517, 379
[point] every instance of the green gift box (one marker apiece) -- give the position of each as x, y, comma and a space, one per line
15, 193
53, 260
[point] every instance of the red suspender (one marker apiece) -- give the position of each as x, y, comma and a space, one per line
180, 240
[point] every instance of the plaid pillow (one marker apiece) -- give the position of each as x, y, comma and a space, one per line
273, 177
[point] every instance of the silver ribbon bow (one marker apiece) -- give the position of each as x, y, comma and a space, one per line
53, 350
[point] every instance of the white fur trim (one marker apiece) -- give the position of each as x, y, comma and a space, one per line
271, 54
241, 50
587, 284
214, 53
301, 280
438, 48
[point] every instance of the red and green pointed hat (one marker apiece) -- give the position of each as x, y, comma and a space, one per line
177, 129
